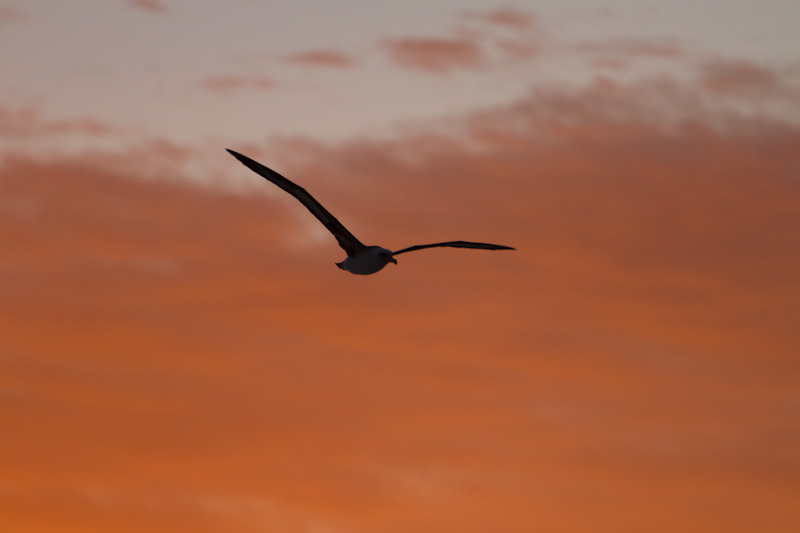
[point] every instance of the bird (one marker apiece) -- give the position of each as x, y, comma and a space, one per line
361, 259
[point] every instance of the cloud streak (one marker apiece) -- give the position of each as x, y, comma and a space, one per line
9, 14
149, 6
481, 39
434, 55
512, 19
745, 79
227, 84
321, 58
641, 48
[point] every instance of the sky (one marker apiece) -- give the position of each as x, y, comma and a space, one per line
178, 350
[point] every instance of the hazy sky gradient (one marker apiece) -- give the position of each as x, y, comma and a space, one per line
218, 70
178, 350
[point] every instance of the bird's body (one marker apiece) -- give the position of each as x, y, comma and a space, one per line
368, 260
360, 259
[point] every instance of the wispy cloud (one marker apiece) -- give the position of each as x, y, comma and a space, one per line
8, 14
151, 6
434, 54
507, 18
471, 45
321, 58
632, 48
25, 122
741, 77
226, 84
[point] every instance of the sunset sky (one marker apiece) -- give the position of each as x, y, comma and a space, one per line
178, 351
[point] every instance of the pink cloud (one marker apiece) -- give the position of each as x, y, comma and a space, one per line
470, 47
633, 48
321, 58
8, 14
507, 18
434, 54
225, 84
740, 77
27, 122
151, 6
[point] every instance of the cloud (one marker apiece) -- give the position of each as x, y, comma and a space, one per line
617, 55
24, 123
507, 18
740, 77
226, 84
632, 48
151, 6
773, 91
321, 58
434, 54
647, 49
469, 47
9, 14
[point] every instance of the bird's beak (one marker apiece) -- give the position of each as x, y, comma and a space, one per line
393, 260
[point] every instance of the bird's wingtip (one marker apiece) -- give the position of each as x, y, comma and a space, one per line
237, 155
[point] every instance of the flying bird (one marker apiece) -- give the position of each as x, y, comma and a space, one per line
361, 259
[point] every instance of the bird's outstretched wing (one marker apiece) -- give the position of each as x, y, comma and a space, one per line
346, 239
455, 244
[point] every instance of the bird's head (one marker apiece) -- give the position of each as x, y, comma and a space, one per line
386, 255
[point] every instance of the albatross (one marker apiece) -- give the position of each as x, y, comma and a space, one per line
361, 259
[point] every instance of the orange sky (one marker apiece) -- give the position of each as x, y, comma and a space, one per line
177, 356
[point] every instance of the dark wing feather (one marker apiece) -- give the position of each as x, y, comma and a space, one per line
346, 239
455, 244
